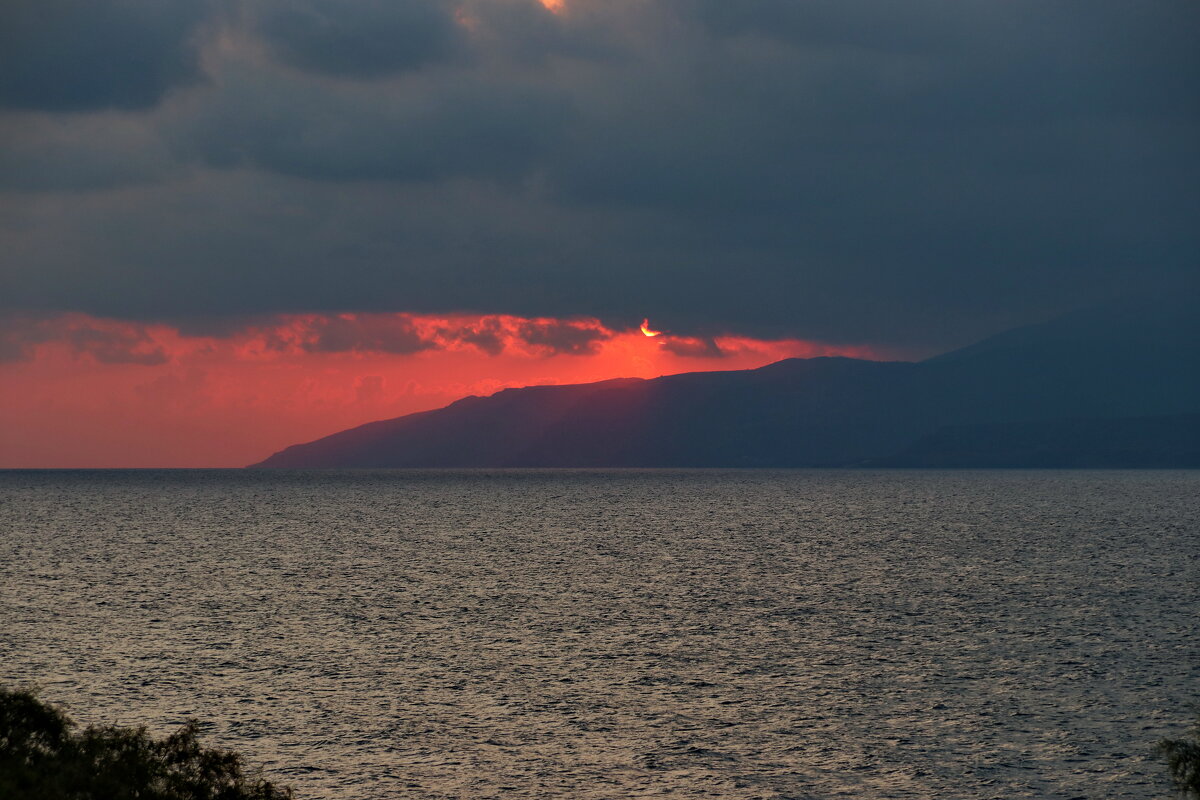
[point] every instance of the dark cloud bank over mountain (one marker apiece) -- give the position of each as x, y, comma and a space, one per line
1115, 386
916, 174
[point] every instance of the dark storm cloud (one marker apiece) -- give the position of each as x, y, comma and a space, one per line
800, 103
108, 342
692, 347
358, 38
1054, 50
563, 337
94, 153
363, 333
468, 126
82, 55
921, 172
487, 335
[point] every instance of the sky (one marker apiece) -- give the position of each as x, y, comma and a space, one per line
230, 225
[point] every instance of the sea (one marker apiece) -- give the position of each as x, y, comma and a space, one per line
798, 634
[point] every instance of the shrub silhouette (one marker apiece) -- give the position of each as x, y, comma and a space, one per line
42, 756
1183, 759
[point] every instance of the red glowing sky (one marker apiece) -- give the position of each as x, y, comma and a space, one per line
83, 391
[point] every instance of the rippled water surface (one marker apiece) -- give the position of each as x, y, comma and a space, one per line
622, 634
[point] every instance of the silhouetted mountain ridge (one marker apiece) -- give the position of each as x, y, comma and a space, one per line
1094, 365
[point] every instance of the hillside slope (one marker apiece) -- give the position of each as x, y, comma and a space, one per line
1125, 361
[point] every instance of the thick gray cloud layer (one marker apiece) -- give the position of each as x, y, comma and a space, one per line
364, 39
83, 55
918, 173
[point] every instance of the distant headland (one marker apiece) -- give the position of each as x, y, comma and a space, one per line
1116, 386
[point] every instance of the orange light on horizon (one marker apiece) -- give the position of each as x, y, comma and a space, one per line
554, 6
84, 391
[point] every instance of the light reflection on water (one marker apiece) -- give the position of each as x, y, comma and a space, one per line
620, 634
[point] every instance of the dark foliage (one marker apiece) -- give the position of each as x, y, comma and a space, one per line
42, 756
1183, 759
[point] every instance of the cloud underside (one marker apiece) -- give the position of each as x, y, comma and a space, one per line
915, 172
305, 338
115, 341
